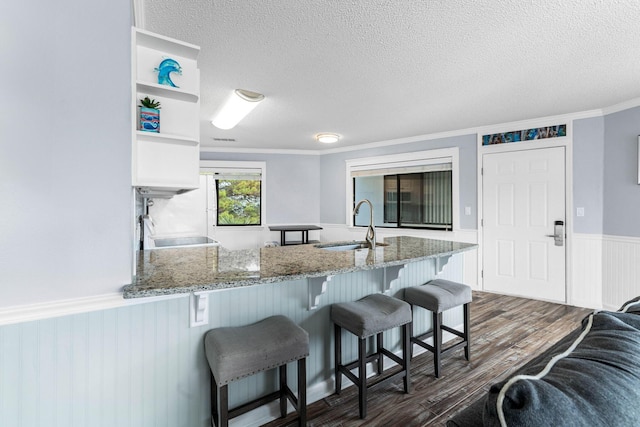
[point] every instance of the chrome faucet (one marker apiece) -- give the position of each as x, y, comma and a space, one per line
371, 231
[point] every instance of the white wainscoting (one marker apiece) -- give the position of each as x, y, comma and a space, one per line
585, 289
605, 270
620, 270
136, 365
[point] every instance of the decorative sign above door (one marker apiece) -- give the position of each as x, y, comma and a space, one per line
556, 131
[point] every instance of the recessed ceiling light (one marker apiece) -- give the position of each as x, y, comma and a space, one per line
327, 138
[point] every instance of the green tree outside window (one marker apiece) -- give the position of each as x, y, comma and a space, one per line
238, 202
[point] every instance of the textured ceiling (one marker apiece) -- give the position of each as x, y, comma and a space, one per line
381, 70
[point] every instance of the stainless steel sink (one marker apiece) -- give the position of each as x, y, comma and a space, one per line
347, 246
177, 242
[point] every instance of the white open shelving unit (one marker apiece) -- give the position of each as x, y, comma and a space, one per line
167, 161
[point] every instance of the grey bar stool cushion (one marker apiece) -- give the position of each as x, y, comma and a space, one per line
371, 314
237, 352
438, 295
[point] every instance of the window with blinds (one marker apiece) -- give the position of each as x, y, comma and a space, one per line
418, 200
408, 194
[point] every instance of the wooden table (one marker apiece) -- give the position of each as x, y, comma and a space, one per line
284, 229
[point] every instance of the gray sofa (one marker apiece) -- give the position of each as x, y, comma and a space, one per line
591, 377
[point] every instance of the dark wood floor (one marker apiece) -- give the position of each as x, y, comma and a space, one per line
506, 332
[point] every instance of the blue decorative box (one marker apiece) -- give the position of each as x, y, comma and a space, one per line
149, 119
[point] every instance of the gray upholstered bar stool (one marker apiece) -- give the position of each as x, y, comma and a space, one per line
238, 352
437, 296
369, 316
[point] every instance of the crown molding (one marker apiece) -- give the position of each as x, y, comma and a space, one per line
632, 103
260, 151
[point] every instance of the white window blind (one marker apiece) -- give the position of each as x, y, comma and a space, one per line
397, 170
233, 173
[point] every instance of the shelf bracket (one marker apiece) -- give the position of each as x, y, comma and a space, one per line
316, 287
441, 262
391, 274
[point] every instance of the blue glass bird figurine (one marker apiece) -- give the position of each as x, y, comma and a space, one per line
166, 67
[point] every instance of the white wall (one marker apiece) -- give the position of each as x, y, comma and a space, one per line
65, 153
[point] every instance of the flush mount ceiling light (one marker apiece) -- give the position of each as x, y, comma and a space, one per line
235, 108
327, 138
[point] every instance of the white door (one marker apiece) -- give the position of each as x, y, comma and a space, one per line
523, 208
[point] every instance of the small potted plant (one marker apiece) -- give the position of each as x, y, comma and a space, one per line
149, 115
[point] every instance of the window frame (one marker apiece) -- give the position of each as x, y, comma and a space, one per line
238, 166
415, 158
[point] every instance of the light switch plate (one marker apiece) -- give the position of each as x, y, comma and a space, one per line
199, 309
579, 211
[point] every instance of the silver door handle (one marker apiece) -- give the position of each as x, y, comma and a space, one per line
558, 229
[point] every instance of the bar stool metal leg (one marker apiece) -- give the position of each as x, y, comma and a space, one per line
224, 406
406, 365
362, 376
410, 326
214, 400
283, 387
437, 343
467, 317
379, 346
337, 332
302, 391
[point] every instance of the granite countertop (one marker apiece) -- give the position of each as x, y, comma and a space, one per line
185, 270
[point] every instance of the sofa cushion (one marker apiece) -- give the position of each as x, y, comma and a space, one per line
595, 382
